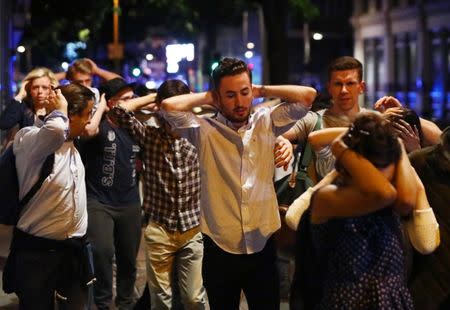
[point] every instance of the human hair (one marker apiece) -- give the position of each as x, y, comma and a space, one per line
171, 88
77, 97
36, 74
346, 63
81, 65
371, 136
229, 66
410, 116
445, 139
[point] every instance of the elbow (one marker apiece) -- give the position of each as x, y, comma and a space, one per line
167, 106
385, 195
313, 140
310, 96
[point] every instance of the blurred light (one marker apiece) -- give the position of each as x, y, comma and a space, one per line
197, 110
21, 48
248, 54
172, 67
177, 52
83, 34
150, 84
250, 66
136, 72
72, 47
317, 36
250, 45
65, 65
214, 65
149, 57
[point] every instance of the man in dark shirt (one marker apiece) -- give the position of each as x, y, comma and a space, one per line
114, 222
430, 278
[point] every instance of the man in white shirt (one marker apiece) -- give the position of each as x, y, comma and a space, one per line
48, 242
239, 211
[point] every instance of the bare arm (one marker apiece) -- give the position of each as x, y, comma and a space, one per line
136, 104
187, 102
368, 192
405, 184
303, 95
91, 129
324, 137
60, 75
104, 74
431, 132
283, 152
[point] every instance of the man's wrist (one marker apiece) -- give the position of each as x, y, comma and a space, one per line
262, 91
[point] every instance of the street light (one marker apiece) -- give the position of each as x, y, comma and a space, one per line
21, 49
317, 36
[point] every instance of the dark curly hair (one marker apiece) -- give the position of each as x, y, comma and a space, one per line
371, 136
229, 66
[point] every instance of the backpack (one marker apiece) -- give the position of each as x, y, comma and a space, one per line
10, 205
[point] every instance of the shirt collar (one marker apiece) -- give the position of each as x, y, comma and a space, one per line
222, 119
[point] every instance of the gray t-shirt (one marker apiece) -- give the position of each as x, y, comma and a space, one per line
324, 159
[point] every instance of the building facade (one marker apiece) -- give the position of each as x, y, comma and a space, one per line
405, 48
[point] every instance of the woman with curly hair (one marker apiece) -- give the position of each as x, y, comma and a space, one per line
355, 227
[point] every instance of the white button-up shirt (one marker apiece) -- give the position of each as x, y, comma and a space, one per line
58, 209
239, 210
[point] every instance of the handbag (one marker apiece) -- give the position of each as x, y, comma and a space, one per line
292, 186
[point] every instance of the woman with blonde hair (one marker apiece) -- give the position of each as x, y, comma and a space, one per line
31, 100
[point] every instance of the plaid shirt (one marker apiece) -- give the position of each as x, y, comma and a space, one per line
171, 173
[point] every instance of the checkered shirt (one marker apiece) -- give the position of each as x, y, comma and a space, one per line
171, 173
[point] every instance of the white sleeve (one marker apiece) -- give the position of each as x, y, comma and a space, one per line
297, 208
181, 120
423, 231
287, 113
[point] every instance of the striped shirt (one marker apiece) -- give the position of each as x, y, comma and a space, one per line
171, 172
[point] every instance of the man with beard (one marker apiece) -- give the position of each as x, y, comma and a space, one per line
239, 210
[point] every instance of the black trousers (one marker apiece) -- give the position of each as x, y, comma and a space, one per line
226, 274
43, 269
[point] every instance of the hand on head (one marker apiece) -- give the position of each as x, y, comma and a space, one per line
386, 102
55, 101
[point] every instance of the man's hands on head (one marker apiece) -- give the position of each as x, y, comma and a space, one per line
386, 102
56, 101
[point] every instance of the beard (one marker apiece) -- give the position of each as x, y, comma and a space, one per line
237, 117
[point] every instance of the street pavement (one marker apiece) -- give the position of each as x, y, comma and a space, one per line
10, 301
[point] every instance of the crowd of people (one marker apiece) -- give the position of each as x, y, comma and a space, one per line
374, 228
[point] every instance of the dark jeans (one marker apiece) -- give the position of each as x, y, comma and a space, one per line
114, 231
226, 274
43, 267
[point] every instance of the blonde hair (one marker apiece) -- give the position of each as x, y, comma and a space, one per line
36, 74
81, 65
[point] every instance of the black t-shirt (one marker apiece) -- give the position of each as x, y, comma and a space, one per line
110, 163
